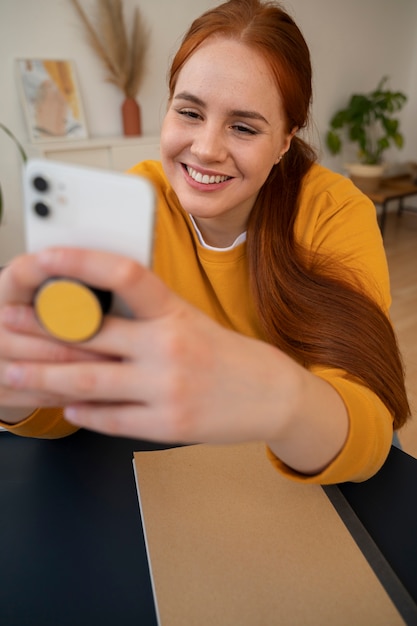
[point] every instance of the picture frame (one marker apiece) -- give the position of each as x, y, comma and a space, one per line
51, 100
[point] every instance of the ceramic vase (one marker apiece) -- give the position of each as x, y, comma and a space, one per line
131, 116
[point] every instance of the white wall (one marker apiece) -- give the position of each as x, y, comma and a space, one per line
51, 29
353, 44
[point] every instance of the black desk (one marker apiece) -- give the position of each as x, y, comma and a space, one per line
71, 546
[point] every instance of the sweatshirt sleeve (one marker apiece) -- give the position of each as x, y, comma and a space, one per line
43, 423
337, 219
369, 438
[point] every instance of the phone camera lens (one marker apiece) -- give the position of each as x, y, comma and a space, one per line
40, 183
42, 209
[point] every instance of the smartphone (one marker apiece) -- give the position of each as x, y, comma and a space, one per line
79, 206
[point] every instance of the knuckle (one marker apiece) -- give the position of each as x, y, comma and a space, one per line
84, 383
178, 416
114, 420
24, 318
16, 272
60, 353
172, 344
105, 418
5, 351
126, 273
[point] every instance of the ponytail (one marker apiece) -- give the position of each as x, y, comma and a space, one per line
313, 315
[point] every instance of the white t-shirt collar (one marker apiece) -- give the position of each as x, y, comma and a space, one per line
240, 239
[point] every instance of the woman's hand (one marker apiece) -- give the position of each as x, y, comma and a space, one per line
171, 373
23, 340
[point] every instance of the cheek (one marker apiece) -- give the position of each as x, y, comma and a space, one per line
165, 141
171, 148
172, 140
261, 166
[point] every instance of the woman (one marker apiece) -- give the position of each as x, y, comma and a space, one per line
268, 319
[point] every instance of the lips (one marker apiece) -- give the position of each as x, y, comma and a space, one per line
206, 179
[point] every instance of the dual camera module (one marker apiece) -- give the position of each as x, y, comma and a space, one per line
41, 208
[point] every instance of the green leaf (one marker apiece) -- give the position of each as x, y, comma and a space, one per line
390, 125
16, 141
369, 122
22, 154
333, 142
398, 140
338, 120
383, 144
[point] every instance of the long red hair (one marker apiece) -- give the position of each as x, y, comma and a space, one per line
312, 315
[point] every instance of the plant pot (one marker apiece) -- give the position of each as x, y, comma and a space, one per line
131, 117
366, 177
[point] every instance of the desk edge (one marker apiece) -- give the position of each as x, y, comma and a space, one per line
399, 595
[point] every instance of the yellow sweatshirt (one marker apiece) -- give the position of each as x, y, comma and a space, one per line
333, 217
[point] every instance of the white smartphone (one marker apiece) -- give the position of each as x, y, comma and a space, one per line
71, 205
78, 206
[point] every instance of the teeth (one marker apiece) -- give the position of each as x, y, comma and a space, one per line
205, 178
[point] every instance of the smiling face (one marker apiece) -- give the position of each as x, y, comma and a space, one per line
223, 132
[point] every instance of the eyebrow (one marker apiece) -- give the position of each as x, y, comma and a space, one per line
253, 115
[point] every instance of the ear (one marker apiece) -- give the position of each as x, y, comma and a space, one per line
288, 139
286, 145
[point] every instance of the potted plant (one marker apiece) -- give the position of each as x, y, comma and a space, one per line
121, 53
23, 155
369, 121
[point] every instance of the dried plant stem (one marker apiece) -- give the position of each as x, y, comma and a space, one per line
122, 58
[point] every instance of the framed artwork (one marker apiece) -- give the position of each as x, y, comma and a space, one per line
51, 100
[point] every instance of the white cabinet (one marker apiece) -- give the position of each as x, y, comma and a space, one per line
114, 153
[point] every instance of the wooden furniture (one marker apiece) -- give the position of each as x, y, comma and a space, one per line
114, 153
395, 188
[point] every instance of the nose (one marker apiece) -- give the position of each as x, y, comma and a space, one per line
209, 145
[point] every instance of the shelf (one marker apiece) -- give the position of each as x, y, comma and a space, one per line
115, 153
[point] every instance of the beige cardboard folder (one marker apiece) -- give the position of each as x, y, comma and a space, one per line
232, 543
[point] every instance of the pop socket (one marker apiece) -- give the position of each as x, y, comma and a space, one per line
70, 310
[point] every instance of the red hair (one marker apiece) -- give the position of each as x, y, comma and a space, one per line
312, 315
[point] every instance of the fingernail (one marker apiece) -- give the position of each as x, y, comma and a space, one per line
70, 413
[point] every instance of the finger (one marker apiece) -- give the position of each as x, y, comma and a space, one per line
28, 340
80, 381
130, 340
20, 347
144, 293
20, 279
28, 398
21, 318
24, 326
123, 420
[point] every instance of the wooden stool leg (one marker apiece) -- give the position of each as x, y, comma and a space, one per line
400, 207
383, 218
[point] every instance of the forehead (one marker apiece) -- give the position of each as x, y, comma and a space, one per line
228, 68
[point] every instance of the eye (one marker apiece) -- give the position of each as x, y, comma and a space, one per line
189, 113
244, 130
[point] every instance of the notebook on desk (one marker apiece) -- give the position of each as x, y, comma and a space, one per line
230, 541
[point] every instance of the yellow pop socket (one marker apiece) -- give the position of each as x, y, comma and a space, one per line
69, 310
